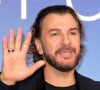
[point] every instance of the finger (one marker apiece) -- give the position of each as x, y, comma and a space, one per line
11, 39
18, 38
26, 43
35, 67
5, 48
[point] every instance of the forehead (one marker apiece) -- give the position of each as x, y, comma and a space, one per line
61, 21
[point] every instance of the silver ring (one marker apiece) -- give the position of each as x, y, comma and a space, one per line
11, 50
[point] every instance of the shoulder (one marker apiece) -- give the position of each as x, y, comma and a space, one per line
87, 82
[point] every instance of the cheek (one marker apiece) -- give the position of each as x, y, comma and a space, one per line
51, 45
76, 44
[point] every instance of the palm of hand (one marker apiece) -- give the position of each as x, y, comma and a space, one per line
14, 63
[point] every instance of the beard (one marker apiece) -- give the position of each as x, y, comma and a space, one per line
63, 67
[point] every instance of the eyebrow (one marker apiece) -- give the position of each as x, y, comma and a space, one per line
57, 29
74, 28
53, 30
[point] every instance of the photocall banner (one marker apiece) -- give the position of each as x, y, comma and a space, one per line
14, 13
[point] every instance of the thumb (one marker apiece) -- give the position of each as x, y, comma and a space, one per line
36, 66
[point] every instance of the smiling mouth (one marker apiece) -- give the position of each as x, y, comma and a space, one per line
66, 54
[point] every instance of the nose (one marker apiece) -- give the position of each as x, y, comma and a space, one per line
66, 40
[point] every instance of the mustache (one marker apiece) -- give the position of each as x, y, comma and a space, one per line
66, 48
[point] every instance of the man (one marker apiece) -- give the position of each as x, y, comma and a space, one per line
56, 37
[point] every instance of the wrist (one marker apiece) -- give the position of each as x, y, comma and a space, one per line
7, 82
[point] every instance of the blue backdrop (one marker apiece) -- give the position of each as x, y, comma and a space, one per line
14, 13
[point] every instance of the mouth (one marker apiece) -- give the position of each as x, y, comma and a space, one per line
66, 54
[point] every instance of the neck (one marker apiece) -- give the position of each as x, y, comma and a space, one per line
58, 78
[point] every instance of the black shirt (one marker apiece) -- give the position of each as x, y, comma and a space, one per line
51, 87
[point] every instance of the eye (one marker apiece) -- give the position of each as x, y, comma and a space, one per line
73, 32
54, 34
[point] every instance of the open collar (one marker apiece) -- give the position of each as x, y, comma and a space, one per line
79, 81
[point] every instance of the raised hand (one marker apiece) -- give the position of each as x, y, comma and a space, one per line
14, 66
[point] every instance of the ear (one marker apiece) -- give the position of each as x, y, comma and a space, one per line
38, 46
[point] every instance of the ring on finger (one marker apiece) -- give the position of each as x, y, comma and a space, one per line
11, 50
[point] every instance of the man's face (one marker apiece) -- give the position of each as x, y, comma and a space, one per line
60, 41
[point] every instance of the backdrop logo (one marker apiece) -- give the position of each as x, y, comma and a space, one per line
84, 18
23, 9
69, 3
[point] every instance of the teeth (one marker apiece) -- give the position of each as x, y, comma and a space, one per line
66, 53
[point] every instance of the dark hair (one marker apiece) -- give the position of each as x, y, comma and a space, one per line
36, 27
